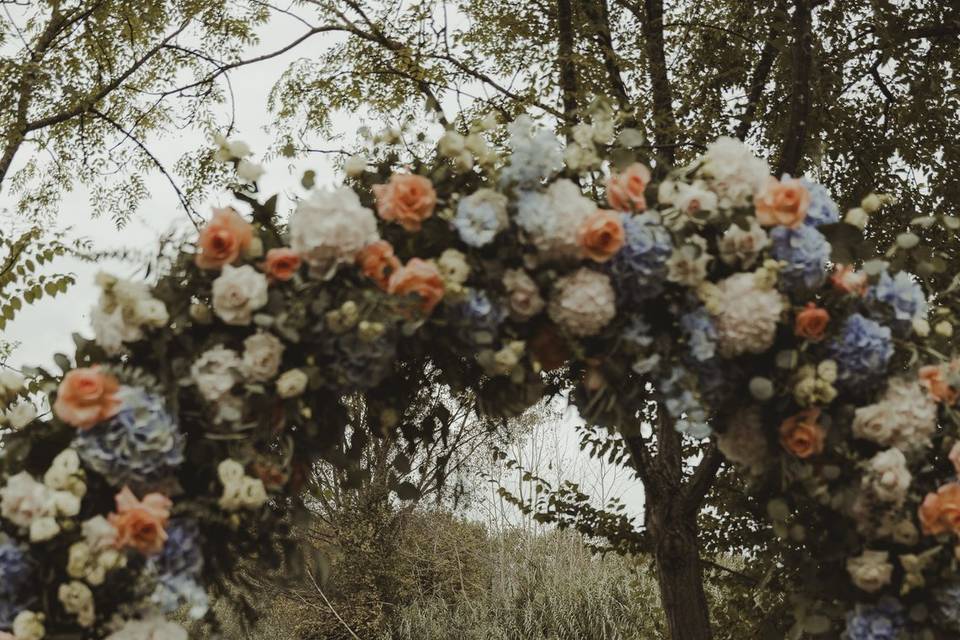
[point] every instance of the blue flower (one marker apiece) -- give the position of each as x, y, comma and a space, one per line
177, 569
640, 267
352, 362
862, 350
688, 413
948, 605
701, 334
141, 444
17, 583
806, 252
904, 294
882, 621
637, 332
478, 319
480, 217
822, 209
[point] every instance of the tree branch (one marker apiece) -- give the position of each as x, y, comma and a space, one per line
665, 121
599, 15
696, 488
565, 64
800, 100
759, 79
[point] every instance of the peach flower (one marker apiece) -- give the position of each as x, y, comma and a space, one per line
282, 264
406, 199
802, 435
954, 457
940, 511
378, 262
601, 235
87, 397
811, 323
140, 523
931, 377
847, 280
783, 202
421, 278
625, 190
224, 238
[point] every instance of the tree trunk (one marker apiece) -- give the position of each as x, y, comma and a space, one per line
680, 577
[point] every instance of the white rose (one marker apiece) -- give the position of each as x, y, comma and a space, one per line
687, 264
888, 476
906, 533
28, 626
525, 300
743, 246
42, 529
230, 471
292, 383
871, 570
453, 266
24, 499
215, 372
238, 292
249, 171
99, 533
874, 422
692, 199
21, 414
262, 353
329, 228
110, 330
152, 312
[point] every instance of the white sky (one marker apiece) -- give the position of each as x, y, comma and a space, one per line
46, 328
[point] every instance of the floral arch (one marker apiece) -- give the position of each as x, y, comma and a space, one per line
182, 433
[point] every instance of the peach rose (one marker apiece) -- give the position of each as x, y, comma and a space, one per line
931, 377
784, 202
954, 457
625, 190
281, 264
140, 523
801, 435
421, 278
406, 199
224, 238
601, 235
87, 397
848, 280
378, 262
811, 323
940, 511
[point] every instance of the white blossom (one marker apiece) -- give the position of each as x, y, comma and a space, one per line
329, 228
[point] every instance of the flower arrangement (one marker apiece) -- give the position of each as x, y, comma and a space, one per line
182, 433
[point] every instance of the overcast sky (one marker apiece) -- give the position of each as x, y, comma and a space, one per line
46, 328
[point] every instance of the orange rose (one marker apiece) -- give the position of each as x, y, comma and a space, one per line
625, 190
224, 238
940, 511
86, 397
937, 386
140, 523
377, 262
801, 435
847, 280
811, 323
784, 202
406, 199
282, 264
421, 278
954, 457
601, 235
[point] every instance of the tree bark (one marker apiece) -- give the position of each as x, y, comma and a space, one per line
566, 66
795, 137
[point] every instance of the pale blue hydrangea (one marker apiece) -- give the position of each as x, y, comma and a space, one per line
353, 362
904, 295
478, 319
688, 413
806, 252
480, 217
140, 444
640, 267
535, 153
881, 621
862, 350
822, 209
17, 582
637, 332
177, 569
701, 334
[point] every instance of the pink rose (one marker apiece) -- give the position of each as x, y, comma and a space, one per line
406, 199
87, 397
601, 235
625, 191
140, 523
378, 262
421, 278
224, 238
282, 264
783, 202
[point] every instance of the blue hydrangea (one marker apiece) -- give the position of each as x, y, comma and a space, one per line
535, 153
862, 350
806, 252
637, 332
904, 295
948, 606
352, 362
478, 319
480, 217
640, 267
822, 209
701, 334
881, 621
141, 444
177, 569
688, 413
17, 581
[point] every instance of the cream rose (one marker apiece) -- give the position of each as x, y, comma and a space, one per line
871, 570
524, 295
238, 292
262, 354
292, 383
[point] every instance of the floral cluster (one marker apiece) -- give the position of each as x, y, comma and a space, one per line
196, 411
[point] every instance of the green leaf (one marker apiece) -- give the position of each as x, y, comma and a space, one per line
407, 491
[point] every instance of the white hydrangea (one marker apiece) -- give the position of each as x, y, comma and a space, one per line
481, 216
733, 172
215, 372
888, 477
535, 153
905, 418
744, 442
743, 246
329, 228
125, 308
583, 302
33, 506
262, 354
238, 292
746, 315
871, 570
552, 218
